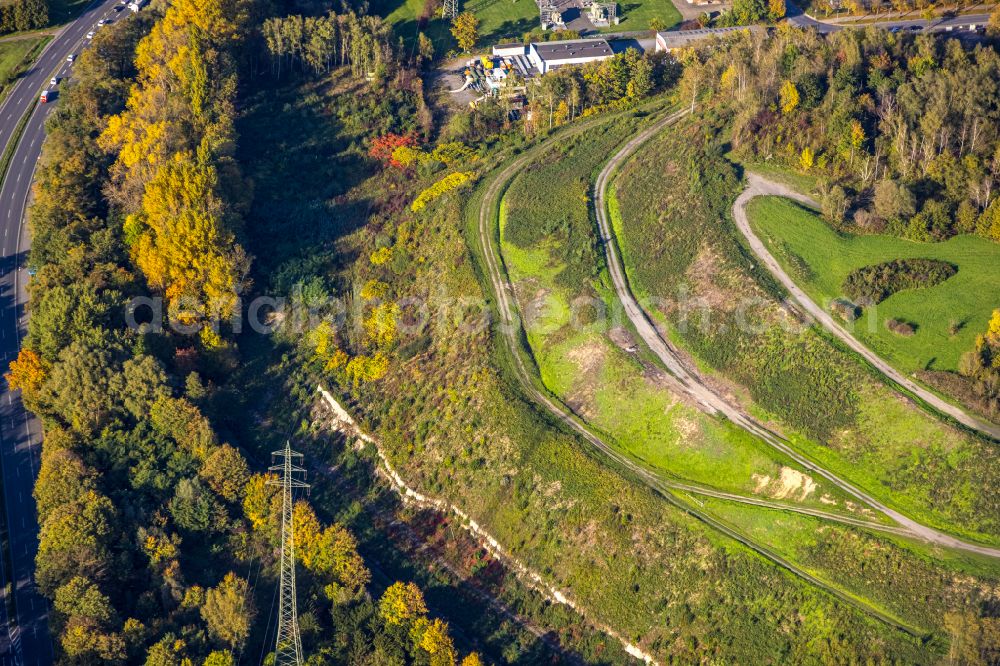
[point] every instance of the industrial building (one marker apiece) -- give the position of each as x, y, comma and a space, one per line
546, 56
678, 39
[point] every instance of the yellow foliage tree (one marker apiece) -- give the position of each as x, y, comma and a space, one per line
258, 499
374, 289
435, 641
330, 552
27, 373
465, 30
789, 97
380, 325
381, 256
367, 368
993, 330
806, 159
447, 184
186, 251
728, 77
454, 151
176, 128
402, 604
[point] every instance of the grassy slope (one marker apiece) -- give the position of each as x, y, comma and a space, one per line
455, 425
968, 298
403, 14
581, 366
304, 224
675, 233
13, 53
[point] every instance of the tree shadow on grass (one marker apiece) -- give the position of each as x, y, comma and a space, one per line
301, 168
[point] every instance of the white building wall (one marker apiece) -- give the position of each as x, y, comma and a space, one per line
543, 66
508, 51
536, 60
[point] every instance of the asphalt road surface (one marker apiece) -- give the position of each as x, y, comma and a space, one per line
24, 635
955, 25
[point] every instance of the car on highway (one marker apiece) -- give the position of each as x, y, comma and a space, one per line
90, 35
103, 22
70, 58
54, 81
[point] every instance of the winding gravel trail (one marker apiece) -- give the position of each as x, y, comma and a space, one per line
696, 386
510, 328
761, 186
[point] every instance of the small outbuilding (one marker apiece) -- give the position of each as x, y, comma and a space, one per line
510, 50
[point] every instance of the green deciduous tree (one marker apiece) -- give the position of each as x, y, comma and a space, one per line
465, 30
229, 610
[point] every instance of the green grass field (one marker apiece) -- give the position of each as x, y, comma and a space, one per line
675, 233
547, 244
403, 16
819, 259
546, 236
508, 20
14, 54
636, 15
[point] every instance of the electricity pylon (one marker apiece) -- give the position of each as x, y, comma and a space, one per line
449, 9
288, 649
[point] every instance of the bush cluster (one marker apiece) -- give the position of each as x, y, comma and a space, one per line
874, 284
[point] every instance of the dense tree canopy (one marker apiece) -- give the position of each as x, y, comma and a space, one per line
905, 125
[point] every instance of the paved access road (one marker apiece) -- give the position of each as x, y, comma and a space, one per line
798, 18
758, 185
699, 389
24, 637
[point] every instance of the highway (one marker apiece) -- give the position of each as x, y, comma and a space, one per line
24, 639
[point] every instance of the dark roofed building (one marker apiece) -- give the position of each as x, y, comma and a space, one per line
546, 56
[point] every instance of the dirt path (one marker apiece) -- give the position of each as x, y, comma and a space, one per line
510, 328
759, 186
698, 388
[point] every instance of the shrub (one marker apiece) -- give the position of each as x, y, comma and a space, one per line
900, 327
874, 284
447, 184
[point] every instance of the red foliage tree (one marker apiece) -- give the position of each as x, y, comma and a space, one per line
382, 147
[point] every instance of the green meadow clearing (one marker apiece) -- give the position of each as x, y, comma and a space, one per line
508, 20
819, 259
15, 54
